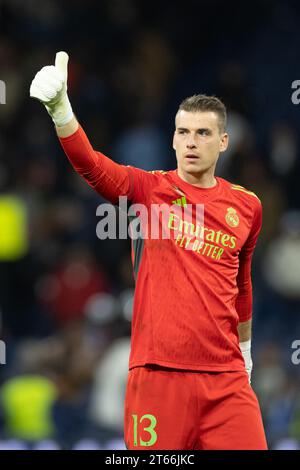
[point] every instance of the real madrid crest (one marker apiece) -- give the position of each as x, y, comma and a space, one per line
232, 218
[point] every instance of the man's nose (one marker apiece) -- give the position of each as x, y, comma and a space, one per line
191, 143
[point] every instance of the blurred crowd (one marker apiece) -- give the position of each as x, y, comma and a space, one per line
65, 295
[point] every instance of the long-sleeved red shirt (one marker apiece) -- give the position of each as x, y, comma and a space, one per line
193, 288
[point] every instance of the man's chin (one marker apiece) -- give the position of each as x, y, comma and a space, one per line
194, 169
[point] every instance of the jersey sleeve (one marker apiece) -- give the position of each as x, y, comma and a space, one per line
244, 300
105, 176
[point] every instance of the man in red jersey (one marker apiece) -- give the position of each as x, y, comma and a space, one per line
190, 362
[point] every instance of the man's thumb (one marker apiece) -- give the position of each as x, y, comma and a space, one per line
61, 62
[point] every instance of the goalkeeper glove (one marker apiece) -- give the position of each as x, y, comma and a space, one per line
246, 352
49, 86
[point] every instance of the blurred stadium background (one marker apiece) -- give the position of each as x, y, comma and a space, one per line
65, 296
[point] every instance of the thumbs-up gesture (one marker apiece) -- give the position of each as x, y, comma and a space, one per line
49, 86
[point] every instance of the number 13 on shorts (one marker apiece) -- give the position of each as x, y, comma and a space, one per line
141, 425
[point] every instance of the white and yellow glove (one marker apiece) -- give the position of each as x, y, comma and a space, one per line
246, 352
49, 86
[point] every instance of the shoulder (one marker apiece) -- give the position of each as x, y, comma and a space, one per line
154, 177
146, 173
145, 180
139, 175
244, 195
160, 173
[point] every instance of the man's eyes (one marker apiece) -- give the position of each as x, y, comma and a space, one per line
203, 132
200, 132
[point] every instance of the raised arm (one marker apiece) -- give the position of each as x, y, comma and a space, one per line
108, 178
68, 129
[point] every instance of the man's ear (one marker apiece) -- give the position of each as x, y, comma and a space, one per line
173, 144
224, 142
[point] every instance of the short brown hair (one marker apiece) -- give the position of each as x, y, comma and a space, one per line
196, 103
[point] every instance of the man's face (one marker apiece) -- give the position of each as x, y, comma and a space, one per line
198, 141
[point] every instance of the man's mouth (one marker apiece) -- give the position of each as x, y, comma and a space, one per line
191, 156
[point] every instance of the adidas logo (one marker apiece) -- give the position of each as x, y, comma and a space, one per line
180, 202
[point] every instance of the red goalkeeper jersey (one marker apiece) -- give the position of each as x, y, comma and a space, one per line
193, 288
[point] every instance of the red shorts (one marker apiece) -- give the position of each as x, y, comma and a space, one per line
185, 410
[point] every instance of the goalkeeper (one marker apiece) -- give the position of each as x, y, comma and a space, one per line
190, 362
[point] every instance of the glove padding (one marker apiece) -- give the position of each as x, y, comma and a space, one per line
49, 86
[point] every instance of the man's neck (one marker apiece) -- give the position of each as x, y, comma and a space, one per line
202, 180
